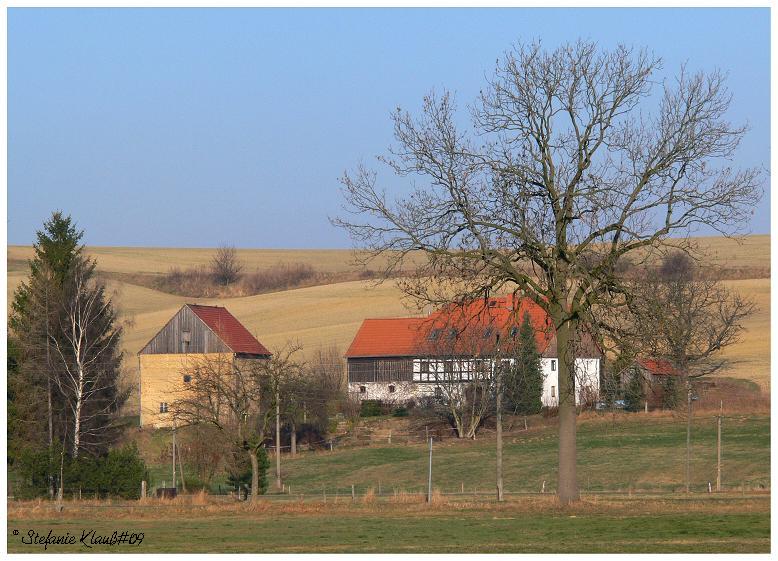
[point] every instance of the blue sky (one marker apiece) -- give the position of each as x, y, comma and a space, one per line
193, 127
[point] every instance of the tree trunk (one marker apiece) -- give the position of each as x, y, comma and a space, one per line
278, 442
688, 432
293, 438
568, 483
77, 420
254, 475
49, 396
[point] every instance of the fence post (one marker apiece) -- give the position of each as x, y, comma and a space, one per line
543, 487
142, 490
353, 495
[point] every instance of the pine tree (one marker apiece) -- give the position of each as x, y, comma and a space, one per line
35, 315
524, 380
62, 283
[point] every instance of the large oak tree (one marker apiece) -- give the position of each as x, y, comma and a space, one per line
574, 159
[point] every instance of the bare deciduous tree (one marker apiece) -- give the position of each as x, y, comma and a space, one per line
237, 397
686, 318
460, 369
572, 165
225, 265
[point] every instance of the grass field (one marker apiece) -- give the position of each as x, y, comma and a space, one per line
638, 457
645, 453
521, 525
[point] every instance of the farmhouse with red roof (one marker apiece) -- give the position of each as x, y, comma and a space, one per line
193, 333
397, 359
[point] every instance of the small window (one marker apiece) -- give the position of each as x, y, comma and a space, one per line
187, 378
163, 407
424, 366
452, 334
514, 331
362, 389
488, 332
433, 336
553, 391
391, 389
553, 365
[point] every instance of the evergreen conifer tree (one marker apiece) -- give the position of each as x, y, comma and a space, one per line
524, 380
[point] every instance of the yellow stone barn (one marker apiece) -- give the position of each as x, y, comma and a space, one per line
195, 333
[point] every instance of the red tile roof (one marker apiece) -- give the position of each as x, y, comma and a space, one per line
658, 367
475, 325
229, 329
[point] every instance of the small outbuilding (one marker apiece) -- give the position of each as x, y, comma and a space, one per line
659, 379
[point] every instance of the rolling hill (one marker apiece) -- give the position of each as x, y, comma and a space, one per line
321, 316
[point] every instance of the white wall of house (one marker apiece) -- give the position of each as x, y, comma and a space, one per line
587, 381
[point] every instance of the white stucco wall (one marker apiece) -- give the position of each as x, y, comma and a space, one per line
587, 380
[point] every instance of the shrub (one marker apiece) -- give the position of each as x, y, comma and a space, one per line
371, 408
634, 393
400, 412
239, 471
119, 473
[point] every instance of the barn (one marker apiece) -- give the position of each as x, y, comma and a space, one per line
397, 359
193, 333
660, 380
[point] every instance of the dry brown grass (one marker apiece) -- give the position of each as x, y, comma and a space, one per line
626, 504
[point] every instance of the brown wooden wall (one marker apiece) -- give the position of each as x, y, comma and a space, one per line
169, 339
380, 370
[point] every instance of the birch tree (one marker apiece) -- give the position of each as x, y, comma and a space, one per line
574, 159
87, 348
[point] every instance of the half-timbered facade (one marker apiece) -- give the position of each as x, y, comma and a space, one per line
194, 333
398, 359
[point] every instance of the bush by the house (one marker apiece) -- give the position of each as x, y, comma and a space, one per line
371, 408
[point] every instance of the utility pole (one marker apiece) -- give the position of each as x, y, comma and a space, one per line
718, 447
174, 455
278, 439
498, 383
429, 477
